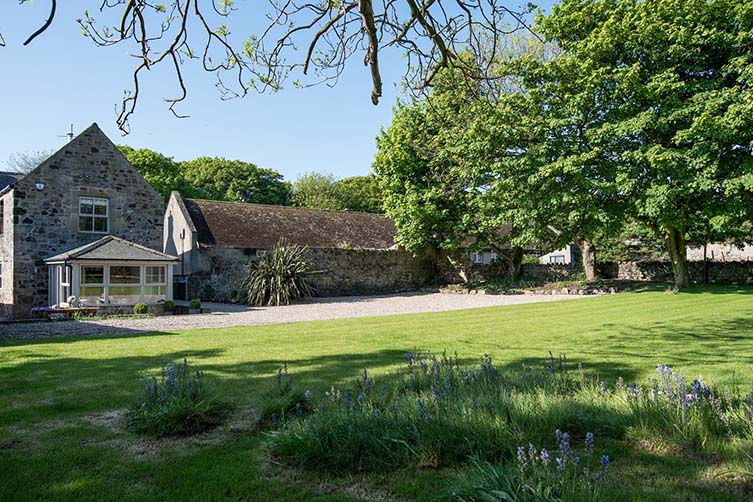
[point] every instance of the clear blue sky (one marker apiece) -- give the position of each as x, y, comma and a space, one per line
62, 78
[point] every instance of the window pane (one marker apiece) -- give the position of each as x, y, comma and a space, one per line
100, 207
100, 224
125, 275
89, 295
86, 206
153, 294
85, 224
124, 295
92, 275
155, 275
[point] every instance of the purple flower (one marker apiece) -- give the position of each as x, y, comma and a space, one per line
521, 456
589, 441
532, 453
560, 464
544, 457
604, 461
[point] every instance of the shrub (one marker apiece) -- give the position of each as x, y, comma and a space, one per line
179, 403
279, 277
438, 413
194, 304
283, 402
140, 308
169, 306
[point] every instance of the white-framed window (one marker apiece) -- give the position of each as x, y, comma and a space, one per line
477, 257
93, 215
65, 283
557, 259
155, 285
92, 289
124, 286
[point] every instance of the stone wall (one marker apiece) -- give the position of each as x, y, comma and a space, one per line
45, 210
730, 272
334, 272
6, 256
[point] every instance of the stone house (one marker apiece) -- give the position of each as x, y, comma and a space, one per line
348, 252
83, 223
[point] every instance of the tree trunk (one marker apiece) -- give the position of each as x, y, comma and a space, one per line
678, 254
517, 262
588, 257
514, 259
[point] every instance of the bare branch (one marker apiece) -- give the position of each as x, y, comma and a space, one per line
47, 23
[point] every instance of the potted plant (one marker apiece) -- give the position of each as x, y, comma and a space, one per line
194, 306
168, 308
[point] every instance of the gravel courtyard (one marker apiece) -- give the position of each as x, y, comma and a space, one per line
236, 315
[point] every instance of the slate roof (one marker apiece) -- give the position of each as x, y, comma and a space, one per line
8, 178
260, 226
110, 248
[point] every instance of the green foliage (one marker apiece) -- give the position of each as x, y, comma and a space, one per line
162, 172
194, 304
660, 96
359, 193
315, 190
140, 308
283, 402
178, 404
324, 191
209, 178
169, 306
279, 277
234, 180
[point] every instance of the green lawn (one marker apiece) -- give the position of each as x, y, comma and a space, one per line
56, 441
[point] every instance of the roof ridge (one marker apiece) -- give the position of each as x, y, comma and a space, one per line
281, 206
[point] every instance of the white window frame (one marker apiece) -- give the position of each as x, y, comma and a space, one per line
103, 284
167, 269
477, 257
557, 259
94, 216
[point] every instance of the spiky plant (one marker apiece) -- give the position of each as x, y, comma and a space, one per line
279, 277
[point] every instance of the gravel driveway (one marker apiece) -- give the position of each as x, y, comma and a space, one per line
318, 309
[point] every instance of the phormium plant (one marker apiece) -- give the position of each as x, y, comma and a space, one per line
279, 277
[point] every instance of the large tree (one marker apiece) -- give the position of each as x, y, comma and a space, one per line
162, 172
324, 191
672, 108
435, 168
315, 190
249, 47
360, 193
234, 180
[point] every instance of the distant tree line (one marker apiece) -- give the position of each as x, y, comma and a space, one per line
217, 178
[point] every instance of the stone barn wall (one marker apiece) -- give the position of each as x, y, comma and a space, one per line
334, 272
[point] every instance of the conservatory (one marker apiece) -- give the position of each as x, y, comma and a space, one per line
109, 272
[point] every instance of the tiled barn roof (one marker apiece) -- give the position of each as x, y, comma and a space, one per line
260, 226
